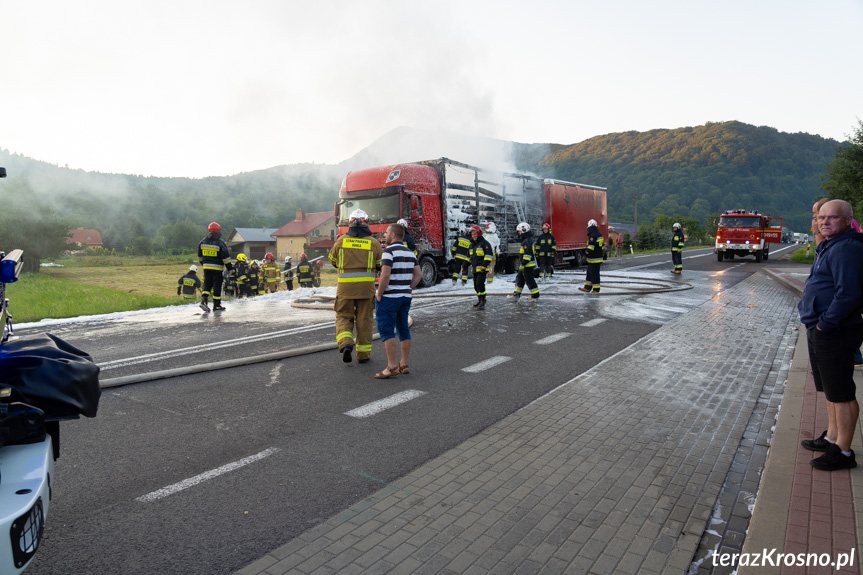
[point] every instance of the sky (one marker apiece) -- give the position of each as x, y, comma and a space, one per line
211, 88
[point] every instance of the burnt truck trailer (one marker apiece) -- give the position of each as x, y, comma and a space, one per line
442, 198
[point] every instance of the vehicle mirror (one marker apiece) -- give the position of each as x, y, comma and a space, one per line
2, 172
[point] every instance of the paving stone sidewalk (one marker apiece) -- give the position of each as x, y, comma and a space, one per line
617, 471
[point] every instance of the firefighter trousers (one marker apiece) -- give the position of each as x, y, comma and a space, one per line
525, 276
351, 313
212, 286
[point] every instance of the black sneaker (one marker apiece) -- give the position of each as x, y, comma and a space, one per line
346, 353
833, 459
817, 444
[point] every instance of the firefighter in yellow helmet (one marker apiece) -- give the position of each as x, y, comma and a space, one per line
357, 256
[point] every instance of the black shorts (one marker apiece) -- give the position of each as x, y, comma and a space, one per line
831, 357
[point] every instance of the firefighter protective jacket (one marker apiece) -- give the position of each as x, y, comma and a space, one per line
677, 241
254, 275
242, 273
289, 272
481, 253
189, 284
357, 256
461, 248
546, 245
527, 260
304, 271
270, 271
213, 253
595, 242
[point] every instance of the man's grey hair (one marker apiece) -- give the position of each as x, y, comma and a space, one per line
846, 209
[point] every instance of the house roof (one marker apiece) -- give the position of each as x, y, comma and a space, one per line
84, 236
252, 235
304, 226
322, 244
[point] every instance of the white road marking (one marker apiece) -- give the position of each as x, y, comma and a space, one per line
382, 404
593, 322
484, 365
552, 338
207, 475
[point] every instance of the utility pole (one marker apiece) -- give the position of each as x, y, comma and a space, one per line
636, 212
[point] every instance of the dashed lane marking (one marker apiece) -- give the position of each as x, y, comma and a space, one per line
383, 404
593, 322
552, 338
207, 475
487, 364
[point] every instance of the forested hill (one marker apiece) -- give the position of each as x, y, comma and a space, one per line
696, 172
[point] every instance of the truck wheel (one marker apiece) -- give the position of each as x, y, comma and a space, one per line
719, 256
509, 266
758, 256
580, 258
428, 267
766, 253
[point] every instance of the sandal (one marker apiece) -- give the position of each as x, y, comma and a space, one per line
387, 373
404, 369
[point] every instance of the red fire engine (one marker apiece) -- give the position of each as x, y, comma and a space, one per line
745, 233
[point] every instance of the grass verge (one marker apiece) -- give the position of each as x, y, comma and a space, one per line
38, 296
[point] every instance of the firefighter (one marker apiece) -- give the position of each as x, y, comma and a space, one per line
214, 257
494, 241
230, 288
189, 284
595, 242
357, 256
408, 240
461, 255
677, 242
242, 275
319, 267
304, 272
269, 274
481, 255
254, 276
527, 264
546, 249
289, 273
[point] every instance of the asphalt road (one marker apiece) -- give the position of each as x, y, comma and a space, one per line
207, 472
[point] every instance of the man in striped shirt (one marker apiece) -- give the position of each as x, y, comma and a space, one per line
400, 273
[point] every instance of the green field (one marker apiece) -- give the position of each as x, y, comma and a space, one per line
92, 285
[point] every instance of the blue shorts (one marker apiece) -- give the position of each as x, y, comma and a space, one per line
392, 316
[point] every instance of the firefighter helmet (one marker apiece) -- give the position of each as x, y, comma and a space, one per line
546, 225
359, 217
403, 223
241, 257
304, 256
193, 268
214, 227
676, 226
269, 256
287, 259
491, 228
592, 224
523, 227
476, 229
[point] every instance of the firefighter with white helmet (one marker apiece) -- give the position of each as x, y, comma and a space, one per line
527, 264
493, 239
214, 256
677, 244
595, 243
357, 256
289, 273
189, 284
408, 239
